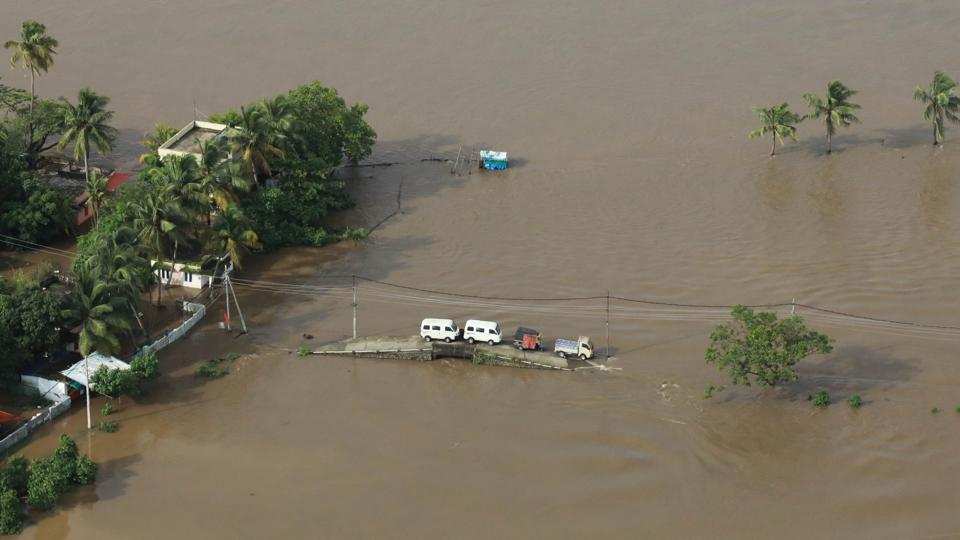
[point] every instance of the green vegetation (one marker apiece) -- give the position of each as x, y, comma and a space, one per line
821, 399
855, 401
935, 410
216, 367
107, 409
712, 390
145, 366
941, 104
34, 52
759, 348
108, 426
87, 125
778, 121
303, 351
835, 109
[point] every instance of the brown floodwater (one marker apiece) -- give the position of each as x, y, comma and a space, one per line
626, 123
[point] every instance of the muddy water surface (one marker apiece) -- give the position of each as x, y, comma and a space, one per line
632, 174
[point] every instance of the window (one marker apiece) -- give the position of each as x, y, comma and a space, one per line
164, 273
448, 329
426, 327
469, 329
479, 330
187, 276
436, 328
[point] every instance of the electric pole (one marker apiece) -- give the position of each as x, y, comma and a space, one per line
355, 306
607, 346
86, 373
243, 323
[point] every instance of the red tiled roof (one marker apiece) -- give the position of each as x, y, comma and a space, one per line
117, 179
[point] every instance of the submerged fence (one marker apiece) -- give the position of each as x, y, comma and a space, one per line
37, 420
198, 310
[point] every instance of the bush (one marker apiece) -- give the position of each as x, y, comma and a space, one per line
86, 471
108, 426
821, 399
211, 369
935, 410
46, 483
145, 366
14, 475
115, 382
11, 512
107, 409
303, 351
855, 401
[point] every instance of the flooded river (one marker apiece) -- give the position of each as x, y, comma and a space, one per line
631, 173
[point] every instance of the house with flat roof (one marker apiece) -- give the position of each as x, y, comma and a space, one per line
187, 141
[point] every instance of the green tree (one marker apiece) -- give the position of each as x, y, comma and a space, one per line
102, 314
233, 235
254, 141
34, 52
157, 216
11, 512
759, 348
96, 193
14, 475
145, 366
88, 124
151, 141
779, 121
942, 104
47, 481
835, 109
221, 180
115, 382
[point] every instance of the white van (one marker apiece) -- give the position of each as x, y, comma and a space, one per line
440, 329
481, 331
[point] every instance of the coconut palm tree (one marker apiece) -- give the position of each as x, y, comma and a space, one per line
233, 236
96, 193
157, 220
941, 103
835, 109
34, 52
94, 304
152, 141
220, 179
88, 123
254, 142
779, 121
183, 174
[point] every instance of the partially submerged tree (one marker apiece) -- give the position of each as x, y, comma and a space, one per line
87, 125
759, 348
100, 310
942, 104
152, 140
778, 121
835, 109
34, 52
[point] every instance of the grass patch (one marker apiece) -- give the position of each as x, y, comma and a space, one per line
855, 401
216, 367
303, 351
108, 426
821, 399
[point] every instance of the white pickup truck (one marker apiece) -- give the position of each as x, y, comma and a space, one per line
581, 348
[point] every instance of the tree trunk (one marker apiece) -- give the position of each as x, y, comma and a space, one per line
829, 142
33, 98
86, 168
160, 266
773, 148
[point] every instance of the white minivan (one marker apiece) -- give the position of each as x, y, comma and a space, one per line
481, 331
439, 329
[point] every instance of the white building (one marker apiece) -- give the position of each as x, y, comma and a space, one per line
181, 274
186, 141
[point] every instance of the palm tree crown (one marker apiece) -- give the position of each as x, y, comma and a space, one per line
254, 141
34, 52
941, 102
233, 235
835, 109
96, 193
88, 124
779, 121
95, 305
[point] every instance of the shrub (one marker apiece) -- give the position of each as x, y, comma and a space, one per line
86, 471
14, 475
303, 351
46, 483
356, 235
211, 369
108, 426
821, 399
107, 409
935, 410
11, 512
711, 390
115, 382
146, 366
855, 401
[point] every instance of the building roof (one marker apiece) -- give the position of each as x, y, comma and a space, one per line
78, 372
114, 181
187, 140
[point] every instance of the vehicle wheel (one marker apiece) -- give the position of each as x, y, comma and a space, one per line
583, 357
470, 341
426, 338
562, 355
490, 343
446, 340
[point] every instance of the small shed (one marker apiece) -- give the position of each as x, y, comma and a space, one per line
78, 372
492, 160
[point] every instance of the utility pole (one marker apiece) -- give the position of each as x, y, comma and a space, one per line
86, 373
607, 346
243, 323
793, 306
355, 306
225, 282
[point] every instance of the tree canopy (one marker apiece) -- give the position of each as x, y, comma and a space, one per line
835, 109
778, 121
760, 348
941, 104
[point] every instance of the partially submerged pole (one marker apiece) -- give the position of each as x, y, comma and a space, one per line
354, 307
86, 372
243, 323
606, 347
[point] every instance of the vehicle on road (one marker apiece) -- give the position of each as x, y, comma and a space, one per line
580, 348
482, 331
439, 329
527, 339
